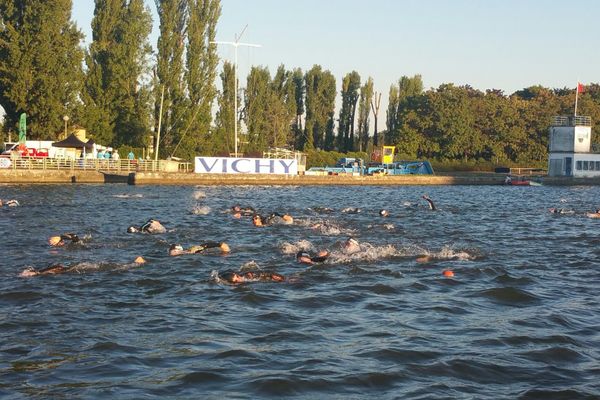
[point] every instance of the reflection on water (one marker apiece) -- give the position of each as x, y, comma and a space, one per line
519, 319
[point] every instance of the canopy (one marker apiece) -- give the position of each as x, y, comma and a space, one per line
73, 142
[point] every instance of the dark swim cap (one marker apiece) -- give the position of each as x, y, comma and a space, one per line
227, 276
302, 254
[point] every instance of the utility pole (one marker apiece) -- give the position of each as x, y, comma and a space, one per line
236, 44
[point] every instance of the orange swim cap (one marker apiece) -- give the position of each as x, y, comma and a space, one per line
225, 248
54, 241
139, 260
448, 273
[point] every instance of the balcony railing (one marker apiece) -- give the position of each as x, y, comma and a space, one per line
115, 166
572, 120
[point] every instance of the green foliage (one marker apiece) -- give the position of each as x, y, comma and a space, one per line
320, 89
40, 64
350, 95
364, 111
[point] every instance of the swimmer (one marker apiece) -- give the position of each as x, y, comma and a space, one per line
560, 211
384, 213
322, 210
350, 246
274, 218
60, 240
351, 210
594, 214
304, 257
10, 203
232, 277
177, 249
151, 226
239, 212
431, 205
51, 270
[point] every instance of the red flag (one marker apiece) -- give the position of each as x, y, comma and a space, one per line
579, 87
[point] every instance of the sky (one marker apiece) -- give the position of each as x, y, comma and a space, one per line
487, 44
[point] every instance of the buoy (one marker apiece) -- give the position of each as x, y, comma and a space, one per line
448, 273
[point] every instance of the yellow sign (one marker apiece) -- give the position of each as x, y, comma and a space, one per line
388, 154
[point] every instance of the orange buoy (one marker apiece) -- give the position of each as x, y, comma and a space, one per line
448, 273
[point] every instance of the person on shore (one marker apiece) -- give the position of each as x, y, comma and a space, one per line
151, 226
9, 203
177, 249
431, 204
61, 240
303, 257
234, 278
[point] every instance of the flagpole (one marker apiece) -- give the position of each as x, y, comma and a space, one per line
576, 95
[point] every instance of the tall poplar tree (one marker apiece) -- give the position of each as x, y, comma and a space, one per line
223, 133
320, 105
170, 83
364, 111
201, 70
40, 64
116, 94
350, 96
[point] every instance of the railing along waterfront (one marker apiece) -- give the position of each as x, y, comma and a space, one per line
116, 166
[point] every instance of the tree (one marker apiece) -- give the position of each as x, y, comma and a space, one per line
200, 73
116, 96
40, 64
223, 137
320, 105
364, 110
350, 96
170, 73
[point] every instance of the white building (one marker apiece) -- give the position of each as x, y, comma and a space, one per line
570, 144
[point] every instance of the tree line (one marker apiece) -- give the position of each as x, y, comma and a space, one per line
124, 94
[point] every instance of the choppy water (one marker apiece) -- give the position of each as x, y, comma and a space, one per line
520, 318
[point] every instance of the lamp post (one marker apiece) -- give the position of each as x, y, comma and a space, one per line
66, 119
236, 44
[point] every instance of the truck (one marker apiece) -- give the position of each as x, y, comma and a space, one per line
31, 148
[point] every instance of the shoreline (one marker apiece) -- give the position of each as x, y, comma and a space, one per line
174, 178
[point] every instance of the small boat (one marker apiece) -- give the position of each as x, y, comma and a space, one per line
520, 181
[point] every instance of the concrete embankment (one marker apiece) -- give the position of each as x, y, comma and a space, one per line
171, 178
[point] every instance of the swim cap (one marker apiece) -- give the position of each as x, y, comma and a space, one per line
225, 248
54, 240
176, 247
139, 260
384, 213
132, 229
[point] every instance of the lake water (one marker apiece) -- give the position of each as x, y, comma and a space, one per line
519, 319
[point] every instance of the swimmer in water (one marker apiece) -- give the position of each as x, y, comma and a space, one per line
234, 278
239, 212
594, 214
151, 226
304, 257
9, 203
431, 204
351, 210
384, 213
351, 246
560, 211
56, 269
274, 218
177, 249
58, 241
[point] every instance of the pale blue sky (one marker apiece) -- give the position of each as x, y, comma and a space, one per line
501, 44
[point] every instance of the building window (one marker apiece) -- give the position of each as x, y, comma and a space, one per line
578, 165
597, 165
585, 165
591, 165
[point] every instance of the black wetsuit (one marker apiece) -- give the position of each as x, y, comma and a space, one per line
70, 236
315, 259
431, 205
204, 246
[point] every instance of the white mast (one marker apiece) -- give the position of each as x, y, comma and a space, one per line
236, 44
